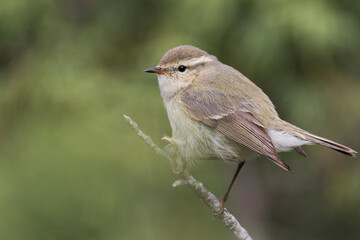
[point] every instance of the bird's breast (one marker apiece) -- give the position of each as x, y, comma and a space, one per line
196, 141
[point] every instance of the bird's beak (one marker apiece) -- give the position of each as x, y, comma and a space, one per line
156, 70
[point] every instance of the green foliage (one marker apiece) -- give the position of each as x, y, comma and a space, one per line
70, 167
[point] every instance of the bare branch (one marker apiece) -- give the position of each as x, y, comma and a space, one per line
207, 197
147, 139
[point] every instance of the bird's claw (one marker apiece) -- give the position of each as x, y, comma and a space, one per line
167, 139
222, 201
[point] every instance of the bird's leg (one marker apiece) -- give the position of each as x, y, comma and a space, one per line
226, 195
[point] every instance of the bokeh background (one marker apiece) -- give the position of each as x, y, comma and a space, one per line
71, 168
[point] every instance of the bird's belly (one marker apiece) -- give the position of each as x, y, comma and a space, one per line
195, 141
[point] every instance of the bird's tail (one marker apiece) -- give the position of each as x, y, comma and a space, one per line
330, 144
321, 141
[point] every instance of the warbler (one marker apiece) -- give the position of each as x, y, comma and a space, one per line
215, 112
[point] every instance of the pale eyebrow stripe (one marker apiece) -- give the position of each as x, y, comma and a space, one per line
199, 60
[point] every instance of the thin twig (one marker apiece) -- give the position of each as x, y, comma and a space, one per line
207, 197
145, 137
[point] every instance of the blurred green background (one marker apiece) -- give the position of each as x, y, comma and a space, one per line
71, 168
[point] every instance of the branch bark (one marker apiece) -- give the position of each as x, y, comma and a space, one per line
207, 197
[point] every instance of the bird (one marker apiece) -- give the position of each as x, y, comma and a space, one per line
215, 112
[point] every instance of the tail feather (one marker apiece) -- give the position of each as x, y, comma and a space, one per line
320, 140
300, 151
333, 145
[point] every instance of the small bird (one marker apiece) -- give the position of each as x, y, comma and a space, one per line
215, 112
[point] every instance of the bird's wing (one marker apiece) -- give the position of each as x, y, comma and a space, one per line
227, 115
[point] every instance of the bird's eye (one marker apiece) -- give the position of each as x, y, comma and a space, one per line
182, 68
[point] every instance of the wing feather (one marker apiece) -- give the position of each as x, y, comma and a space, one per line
227, 115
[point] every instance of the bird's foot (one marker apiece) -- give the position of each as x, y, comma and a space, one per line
168, 139
222, 201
